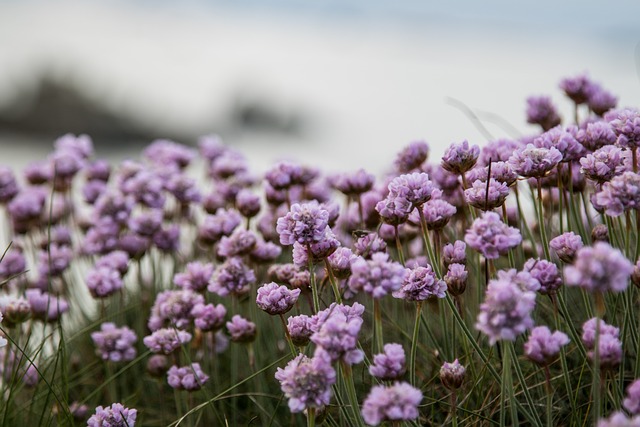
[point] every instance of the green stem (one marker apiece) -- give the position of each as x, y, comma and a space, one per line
543, 231
332, 280
549, 390
414, 345
314, 286
351, 393
292, 347
377, 326
399, 246
311, 417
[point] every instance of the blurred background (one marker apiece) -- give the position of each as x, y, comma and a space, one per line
341, 84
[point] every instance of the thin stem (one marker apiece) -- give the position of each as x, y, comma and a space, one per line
543, 231
377, 326
399, 246
292, 347
332, 280
311, 417
414, 345
351, 392
549, 390
314, 286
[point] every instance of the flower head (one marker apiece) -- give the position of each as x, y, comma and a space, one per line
115, 415
543, 347
305, 223
541, 111
599, 268
189, 378
452, 374
166, 340
115, 344
412, 156
241, 329
566, 245
389, 365
398, 402
307, 382
420, 284
377, 277
491, 237
276, 299
534, 162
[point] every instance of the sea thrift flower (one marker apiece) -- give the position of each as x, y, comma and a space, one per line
241, 242
167, 239
534, 162
221, 224
304, 223
146, 187
541, 111
319, 250
208, 317
456, 279
299, 330
265, 252
115, 344
337, 336
166, 340
589, 331
460, 157
247, 203
158, 365
8, 185
619, 419
389, 365
241, 329
115, 415
543, 347
419, 284
452, 374
369, 244
437, 213
599, 268
416, 187
115, 206
173, 308
15, 310
394, 209
455, 253
600, 100
197, 276
398, 402
546, 273
92, 190
523, 279
596, 135
340, 262
355, 183
164, 152
626, 124
98, 170
497, 151
116, 260
620, 194
566, 245
603, 164
378, 276
632, 401
188, 378
500, 171
610, 349
12, 264
44, 306
491, 237
232, 277
307, 382
506, 311
276, 299
563, 141
486, 197
103, 282
577, 88
412, 156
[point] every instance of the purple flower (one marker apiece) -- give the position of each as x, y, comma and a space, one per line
188, 377
208, 317
419, 284
412, 156
183, 189
632, 401
307, 382
377, 277
115, 206
241, 329
158, 365
98, 170
546, 273
163, 152
247, 203
577, 88
115, 415
299, 330
534, 162
228, 164
146, 223
14, 309
601, 100
589, 331
459, 157
506, 311
265, 252
416, 188
92, 190
596, 135
319, 250
81, 145
486, 197
232, 277
437, 214
221, 224
491, 237
173, 308
146, 187
391, 364
353, 184
498, 151
610, 349
103, 282
276, 299
620, 194
369, 244
197, 276
337, 335
452, 374
543, 347
241, 242
541, 111
456, 279
619, 419
101, 238
626, 125
398, 402
12, 263
394, 210
166, 340
500, 171
281, 175
27, 206
38, 173
8, 184
167, 239
115, 344
305, 223
340, 262
523, 279
211, 147
282, 273
599, 268
603, 164
455, 253
45, 306
566, 245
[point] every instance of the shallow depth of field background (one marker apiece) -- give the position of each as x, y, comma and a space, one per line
340, 83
